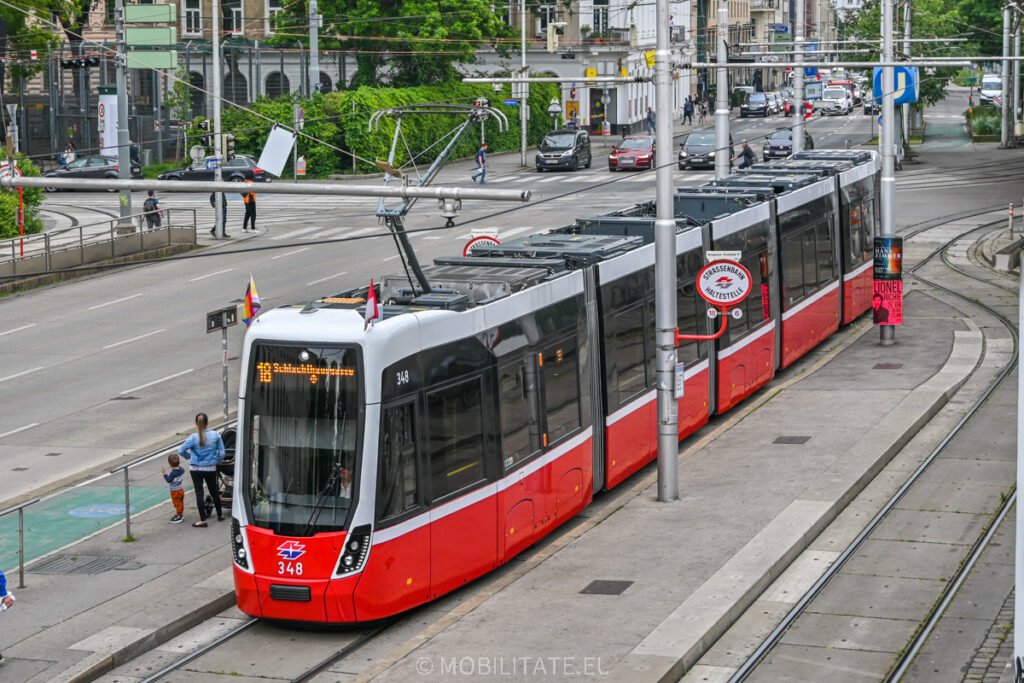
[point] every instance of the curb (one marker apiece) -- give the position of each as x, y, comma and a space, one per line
679, 642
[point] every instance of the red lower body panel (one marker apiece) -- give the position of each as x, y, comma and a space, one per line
745, 367
857, 292
809, 324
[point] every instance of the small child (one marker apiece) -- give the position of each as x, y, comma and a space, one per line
173, 478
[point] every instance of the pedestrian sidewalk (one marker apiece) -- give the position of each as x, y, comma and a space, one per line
757, 487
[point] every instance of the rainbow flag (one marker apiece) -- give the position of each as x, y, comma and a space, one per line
251, 307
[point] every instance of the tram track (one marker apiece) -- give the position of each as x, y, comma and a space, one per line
934, 614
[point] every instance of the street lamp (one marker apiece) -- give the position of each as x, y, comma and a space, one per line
554, 109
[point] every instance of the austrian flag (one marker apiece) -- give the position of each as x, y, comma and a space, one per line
373, 312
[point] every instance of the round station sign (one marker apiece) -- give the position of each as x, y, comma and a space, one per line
479, 241
723, 283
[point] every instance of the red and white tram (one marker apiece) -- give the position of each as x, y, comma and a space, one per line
379, 468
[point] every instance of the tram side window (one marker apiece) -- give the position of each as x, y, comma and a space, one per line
628, 352
455, 429
692, 314
397, 484
560, 371
792, 267
810, 258
520, 437
826, 255
855, 220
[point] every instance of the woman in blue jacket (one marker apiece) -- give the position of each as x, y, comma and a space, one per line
204, 450
6, 598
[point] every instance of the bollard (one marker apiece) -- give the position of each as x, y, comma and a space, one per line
21, 548
127, 510
1009, 218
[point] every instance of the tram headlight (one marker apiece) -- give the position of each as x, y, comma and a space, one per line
356, 549
238, 545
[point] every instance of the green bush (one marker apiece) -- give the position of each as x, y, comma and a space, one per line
153, 170
33, 198
985, 120
342, 120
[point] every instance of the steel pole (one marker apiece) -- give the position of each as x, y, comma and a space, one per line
906, 51
665, 267
722, 146
523, 92
798, 80
887, 333
219, 229
224, 364
123, 143
1016, 81
314, 48
1004, 138
1018, 605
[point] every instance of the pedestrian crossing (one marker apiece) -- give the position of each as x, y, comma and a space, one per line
583, 178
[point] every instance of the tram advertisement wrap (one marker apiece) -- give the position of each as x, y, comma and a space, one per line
888, 258
887, 302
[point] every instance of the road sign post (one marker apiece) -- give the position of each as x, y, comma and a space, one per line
221, 320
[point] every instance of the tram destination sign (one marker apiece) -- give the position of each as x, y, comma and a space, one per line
723, 283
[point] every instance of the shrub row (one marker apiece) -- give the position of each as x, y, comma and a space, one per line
9, 204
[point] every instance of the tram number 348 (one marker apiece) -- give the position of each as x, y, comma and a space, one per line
291, 568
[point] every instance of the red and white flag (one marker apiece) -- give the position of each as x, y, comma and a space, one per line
373, 312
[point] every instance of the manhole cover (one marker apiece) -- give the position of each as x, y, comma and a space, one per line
77, 564
797, 440
888, 366
603, 587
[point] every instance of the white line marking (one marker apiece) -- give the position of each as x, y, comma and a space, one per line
19, 429
157, 381
203, 277
128, 341
391, 258
552, 179
293, 233
325, 279
25, 372
502, 234
18, 329
115, 301
290, 253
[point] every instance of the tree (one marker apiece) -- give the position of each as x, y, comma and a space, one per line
179, 103
402, 42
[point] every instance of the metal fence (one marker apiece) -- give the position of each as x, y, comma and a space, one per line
46, 252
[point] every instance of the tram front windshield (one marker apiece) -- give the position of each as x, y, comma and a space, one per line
304, 425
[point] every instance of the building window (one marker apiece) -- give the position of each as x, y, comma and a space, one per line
544, 16
277, 85
600, 17
274, 8
193, 18
233, 20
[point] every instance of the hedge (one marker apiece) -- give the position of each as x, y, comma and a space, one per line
342, 120
9, 204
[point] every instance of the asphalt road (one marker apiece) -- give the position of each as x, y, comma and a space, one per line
102, 367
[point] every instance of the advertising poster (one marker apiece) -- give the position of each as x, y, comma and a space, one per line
107, 113
887, 295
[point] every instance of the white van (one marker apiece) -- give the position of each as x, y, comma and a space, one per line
991, 87
836, 99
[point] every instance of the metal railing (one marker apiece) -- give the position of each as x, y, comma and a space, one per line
20, 509
83, 244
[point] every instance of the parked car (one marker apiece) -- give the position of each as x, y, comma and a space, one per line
779, 144
991, 88
739, 95
755, 104
94, 166
774, 102
870, 105
635, 151
699, 150
836, 100
237, 170
564, 148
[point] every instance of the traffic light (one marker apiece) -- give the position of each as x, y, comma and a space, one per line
229, 146
572, 93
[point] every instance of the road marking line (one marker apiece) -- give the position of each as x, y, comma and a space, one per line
324, 279
157, 381
553, 179
502, 234
19, 429
391, 258
128, 341
115, 301
293, 233
503, 179
18, 329
290, 253
203, 277
4, 379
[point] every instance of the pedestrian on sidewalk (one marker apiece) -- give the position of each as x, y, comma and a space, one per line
223, 212
481, 164
249, 199
688, 111
703, 114
152, 208
207, 448
6, 599
173, 479
650, 121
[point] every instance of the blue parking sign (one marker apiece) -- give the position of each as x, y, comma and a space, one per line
905, 81
810, 72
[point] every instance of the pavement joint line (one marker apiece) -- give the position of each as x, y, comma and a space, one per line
857, 330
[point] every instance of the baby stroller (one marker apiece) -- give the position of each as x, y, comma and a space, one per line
225, 473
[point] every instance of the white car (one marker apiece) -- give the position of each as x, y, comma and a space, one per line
991, 88
836, 100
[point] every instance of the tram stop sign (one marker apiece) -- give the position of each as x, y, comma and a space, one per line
222, 319
723, 284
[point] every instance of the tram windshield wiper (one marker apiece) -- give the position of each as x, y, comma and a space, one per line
333, 482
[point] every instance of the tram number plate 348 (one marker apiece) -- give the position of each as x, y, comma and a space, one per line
289, 568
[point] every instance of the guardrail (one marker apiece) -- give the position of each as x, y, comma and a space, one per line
41, 253
20, 509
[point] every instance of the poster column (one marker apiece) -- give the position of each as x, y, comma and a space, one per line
107, 121
887, 300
